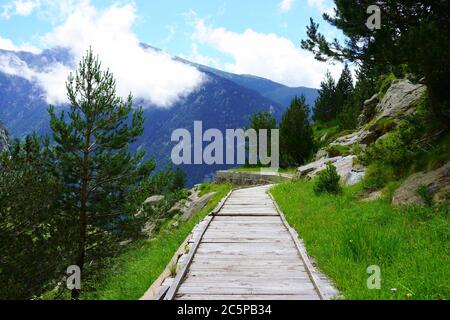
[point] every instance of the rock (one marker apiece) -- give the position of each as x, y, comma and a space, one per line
195, 204
350, 173
437, 182
154, 199
400, 99
4, 137
250, 178
324, 137
363, 137
321, 154
369, 110
372, 196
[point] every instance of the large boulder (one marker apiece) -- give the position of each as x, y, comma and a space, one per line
345, 166
4, 137
401, 99
437, 183
369, 110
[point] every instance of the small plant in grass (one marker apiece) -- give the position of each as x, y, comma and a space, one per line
426, 195
328, 181
173, 268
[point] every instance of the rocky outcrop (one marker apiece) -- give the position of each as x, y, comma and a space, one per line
436, 182
192, 205
362, 137
154, 200
4, 137
401, 99
349, 172
250, 178
369, 110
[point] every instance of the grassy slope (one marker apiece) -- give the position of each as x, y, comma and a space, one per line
128, 276
412, 245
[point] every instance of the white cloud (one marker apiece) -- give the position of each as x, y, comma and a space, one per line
7, 44
265, 55
150, 75
50, 79
20, 8
286, 5
196, 56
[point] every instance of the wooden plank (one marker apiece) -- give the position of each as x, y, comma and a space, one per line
180, 275
246, 252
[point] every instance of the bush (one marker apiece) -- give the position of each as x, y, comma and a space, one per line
338, 150
328, 181
426, 195
378, 175
384, 82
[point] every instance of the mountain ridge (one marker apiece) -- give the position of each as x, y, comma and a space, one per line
224, 101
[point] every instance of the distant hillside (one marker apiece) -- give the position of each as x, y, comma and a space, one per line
224, 101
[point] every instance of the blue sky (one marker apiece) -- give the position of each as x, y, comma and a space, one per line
246, 37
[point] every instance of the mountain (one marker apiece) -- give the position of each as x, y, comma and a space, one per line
224, 101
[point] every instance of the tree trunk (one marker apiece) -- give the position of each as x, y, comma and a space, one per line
83, 212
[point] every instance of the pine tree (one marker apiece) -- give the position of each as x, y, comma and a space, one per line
296, 135
178, 180
263, 120
93, 160
412, 33
344, 88
35, 236
326, 107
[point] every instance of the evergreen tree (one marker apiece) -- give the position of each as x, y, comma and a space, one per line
263, 120
412, 33
35, 236
178, 180
93, 160
296, 135
344, 88
326, 106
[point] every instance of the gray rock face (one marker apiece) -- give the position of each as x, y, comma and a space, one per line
437, 182
363, 137
369, 110
350, 173
321, 154
4, 137
154, 200
400, 99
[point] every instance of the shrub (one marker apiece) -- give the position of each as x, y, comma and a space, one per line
384, 82
378, 175
338, 150
426, 195
328, 181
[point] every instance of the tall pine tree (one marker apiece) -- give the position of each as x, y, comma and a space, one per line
296, 135
94, 161
326, 106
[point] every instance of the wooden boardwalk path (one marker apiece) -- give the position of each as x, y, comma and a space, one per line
246, 251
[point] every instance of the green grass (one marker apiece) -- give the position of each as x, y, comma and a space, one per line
411, 245
130, 275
